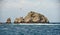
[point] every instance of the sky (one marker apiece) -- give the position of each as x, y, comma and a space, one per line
20, 8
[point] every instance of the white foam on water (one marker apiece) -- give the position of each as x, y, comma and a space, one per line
34, 24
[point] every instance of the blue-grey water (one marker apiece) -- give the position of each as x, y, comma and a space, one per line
11, 29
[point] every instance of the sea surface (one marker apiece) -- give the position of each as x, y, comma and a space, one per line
21, 29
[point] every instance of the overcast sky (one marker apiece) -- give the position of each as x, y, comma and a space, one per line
17, 8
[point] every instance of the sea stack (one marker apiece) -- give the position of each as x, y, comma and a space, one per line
8, 20
19, 20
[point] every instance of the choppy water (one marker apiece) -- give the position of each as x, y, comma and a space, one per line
11, 29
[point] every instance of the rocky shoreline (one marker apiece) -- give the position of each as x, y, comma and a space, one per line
31, 17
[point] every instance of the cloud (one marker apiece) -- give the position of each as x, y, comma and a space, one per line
20, 3
29, 4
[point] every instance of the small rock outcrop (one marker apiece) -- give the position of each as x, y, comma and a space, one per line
19, 20
8, 20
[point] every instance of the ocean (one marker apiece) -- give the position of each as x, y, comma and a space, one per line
29, 29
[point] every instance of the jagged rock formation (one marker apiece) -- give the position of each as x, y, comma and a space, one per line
19, 20
8, 20
34, 17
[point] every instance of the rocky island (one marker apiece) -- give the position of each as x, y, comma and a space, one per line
8, 20
31, 17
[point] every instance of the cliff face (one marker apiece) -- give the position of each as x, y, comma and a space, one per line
36, 17
29, 17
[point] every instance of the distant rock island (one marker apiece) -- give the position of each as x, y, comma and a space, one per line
31, 17
8, 20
